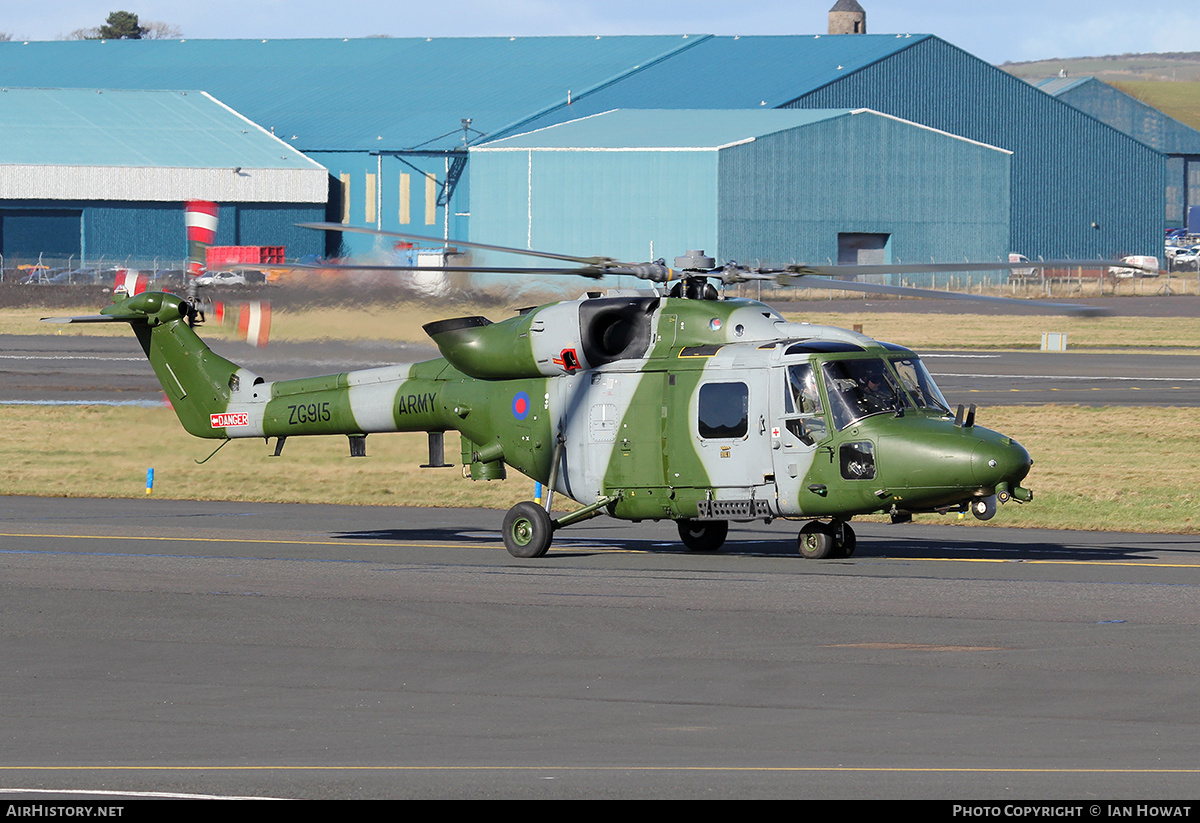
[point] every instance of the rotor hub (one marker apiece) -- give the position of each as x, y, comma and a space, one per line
694, 259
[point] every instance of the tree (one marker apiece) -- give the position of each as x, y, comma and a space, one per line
154, 30
121, 25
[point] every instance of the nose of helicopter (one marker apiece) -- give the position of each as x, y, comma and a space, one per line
1004, 461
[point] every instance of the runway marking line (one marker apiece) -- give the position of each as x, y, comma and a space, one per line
116, 793
579, 547
1053, 562
232, 540
796, 769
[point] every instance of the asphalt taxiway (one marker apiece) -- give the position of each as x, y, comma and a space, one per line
322, 651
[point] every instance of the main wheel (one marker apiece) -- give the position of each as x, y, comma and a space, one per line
527, 530
844, 541
703, 535
815, 541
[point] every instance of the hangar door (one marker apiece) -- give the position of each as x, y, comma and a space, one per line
49, 232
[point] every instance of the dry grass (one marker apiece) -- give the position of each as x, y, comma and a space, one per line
403, 322
970, 331
1118, 469
104, 451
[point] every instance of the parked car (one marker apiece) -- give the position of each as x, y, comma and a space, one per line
221, 278
1186, 258
76, 277
36, 275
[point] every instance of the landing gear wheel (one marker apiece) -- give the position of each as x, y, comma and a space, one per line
815, 541
527, 530
703, 535
984, 508
844, 541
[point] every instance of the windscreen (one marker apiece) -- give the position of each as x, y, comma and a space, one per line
919, 383
860, 388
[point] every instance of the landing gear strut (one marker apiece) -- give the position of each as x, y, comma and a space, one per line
528, 528
818, 540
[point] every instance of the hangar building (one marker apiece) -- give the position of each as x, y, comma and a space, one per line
92, 173
1146, 124
393, 119
1066, 165
772, 185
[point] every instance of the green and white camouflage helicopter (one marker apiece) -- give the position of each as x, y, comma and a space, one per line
664, 403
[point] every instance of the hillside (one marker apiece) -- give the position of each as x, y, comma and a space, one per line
1168, 82
1175, 66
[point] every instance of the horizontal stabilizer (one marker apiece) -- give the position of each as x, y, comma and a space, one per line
96, 318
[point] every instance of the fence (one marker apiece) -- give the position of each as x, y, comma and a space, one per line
74, 270
167, 272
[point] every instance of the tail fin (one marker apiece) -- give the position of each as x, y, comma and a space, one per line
197, 381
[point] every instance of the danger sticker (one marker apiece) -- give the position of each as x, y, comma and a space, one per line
222, 421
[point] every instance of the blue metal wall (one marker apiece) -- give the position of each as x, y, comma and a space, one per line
144, 231
1146, 125
782, 197
632, 205
394, 192
787, 196
1079, 188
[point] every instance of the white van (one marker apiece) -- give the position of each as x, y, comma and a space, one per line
1143, 266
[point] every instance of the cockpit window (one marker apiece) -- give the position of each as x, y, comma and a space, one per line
860, 388
805, 418
920, 385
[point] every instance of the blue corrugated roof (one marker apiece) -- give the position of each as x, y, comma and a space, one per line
104, 127
361, 94
1057, 85
739, 73
1122, 111
404, 93
665, 129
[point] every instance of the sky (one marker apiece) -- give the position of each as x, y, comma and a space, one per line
1015, 30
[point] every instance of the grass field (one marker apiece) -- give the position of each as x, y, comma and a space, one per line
1120, 469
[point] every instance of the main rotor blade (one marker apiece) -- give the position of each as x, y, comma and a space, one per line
812, 281
599, 262
387, 266
918, 268
583, 272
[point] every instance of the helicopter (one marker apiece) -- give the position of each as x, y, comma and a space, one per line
670, 402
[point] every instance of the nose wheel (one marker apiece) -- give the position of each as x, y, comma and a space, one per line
984, 508
818, 541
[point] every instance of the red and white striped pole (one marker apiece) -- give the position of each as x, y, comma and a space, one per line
200, 217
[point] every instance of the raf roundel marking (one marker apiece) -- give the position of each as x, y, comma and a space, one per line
520, 405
